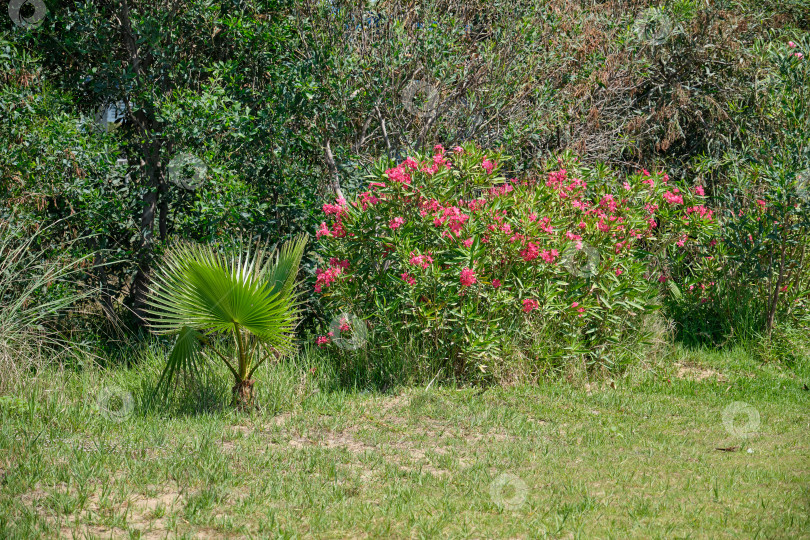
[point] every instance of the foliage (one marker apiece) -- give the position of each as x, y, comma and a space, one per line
760, 274
183, 78
36, 289
445, 248
201, 294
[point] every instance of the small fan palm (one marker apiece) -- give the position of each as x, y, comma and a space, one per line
200, 294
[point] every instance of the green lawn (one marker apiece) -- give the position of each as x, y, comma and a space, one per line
634, 458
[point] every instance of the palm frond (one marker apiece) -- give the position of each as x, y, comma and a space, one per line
282, 272
185, 357
214, 292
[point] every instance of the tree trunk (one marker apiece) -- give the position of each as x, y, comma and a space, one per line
153, 178
243, 396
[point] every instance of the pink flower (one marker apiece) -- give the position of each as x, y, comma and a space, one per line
458, 150
672, 198
529, 305
439, 149
662, 278
324, 278
398, 175
367, 199
699, 191
468, 242
396, 223
531, 252
335, 209
411, 163
761, 202
322, 340
791, 45
344, 325
337, 230
422, 261
575, 304
798, 55
467, 277
323, 231
627, 186
488, 165
407, 278
496, 283
603, 226
549, 256
619, 271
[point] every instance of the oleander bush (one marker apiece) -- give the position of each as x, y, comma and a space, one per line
760, 275
445, 251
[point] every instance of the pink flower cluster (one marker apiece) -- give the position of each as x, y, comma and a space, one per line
324, 278
530, 305
336, 210
439, 161
672, 197
323, 340
498, 191
367, 198
467, 277
700, 210
549, 256
453, 217
531, 252
422, 261
398, 175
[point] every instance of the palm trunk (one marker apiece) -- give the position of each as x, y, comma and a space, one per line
243, 396
244, 399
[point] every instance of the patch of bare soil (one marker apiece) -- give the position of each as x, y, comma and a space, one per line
144, 513
694, 372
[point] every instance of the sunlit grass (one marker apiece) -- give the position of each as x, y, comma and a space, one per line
551, 460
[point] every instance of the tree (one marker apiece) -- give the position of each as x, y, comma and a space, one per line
189, 77
200, 294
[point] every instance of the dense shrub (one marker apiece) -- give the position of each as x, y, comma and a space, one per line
760, 275
445, 248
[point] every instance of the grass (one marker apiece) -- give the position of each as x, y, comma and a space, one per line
636, 457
